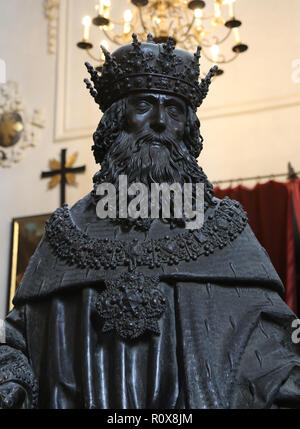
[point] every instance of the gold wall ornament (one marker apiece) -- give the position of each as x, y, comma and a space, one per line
11, 128
63, 172
56, 165
19, 129
51, 14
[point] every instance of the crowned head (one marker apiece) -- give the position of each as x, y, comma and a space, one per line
149, 94
152, 67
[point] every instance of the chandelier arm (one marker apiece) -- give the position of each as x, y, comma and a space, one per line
114, 21
231, 59
221, 61
218, 42
186, 34
206, 44
207, 16
92, 56
110, 38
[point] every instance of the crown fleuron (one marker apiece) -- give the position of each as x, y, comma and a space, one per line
151, 67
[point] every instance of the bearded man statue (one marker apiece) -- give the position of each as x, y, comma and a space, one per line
137, 312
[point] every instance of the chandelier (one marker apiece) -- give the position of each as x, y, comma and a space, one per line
190, 22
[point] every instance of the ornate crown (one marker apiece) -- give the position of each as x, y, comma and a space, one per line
149, 67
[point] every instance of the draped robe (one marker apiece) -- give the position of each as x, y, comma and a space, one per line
225, 337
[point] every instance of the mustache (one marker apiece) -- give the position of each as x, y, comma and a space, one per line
149, 138
165, 140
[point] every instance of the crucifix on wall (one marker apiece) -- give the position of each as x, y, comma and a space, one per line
62, 172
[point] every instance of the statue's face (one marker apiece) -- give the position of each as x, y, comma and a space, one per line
157, 113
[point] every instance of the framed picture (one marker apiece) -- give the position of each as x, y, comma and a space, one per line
26, 235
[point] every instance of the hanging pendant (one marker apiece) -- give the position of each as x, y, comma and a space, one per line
131, 305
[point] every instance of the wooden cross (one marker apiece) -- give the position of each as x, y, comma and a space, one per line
62, 172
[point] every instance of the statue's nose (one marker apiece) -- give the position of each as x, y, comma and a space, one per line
158, 123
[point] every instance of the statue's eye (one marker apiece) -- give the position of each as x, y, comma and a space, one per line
173, 110
143, 106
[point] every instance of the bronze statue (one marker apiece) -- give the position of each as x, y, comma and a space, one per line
136, 312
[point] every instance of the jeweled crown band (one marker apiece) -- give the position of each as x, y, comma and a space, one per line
151, 83
149, 67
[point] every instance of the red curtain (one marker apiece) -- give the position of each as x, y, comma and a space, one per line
274, 215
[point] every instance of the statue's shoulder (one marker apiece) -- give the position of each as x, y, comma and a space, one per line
77, 224
228, 202
47, 267
226, 209
81, 211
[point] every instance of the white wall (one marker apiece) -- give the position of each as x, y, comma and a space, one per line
249, 120
23, 46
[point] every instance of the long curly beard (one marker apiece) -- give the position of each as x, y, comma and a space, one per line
149, 158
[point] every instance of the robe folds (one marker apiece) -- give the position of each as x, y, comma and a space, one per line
225, 336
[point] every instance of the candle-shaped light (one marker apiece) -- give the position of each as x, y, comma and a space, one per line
128, 15
214, 53
127, 19
230, 7
217, 10
198, 13
106, 8
237, 35
86, 22
100, 8
198, 22
217, 20
105, 44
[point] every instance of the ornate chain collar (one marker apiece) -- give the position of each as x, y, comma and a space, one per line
77, 248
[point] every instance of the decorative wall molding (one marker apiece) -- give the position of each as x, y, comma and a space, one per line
51, 14
2, 71
250, 107
63, 130
19, 128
